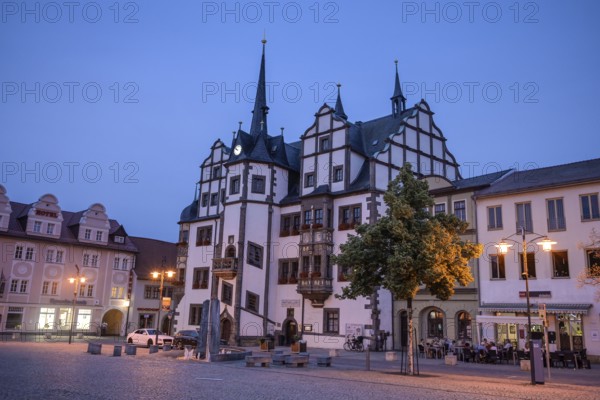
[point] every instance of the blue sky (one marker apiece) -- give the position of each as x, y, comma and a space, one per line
119, 102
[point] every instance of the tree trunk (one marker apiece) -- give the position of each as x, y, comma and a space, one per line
411, 339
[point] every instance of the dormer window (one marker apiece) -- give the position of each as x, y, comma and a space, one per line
50, 229
98, 236
37, 226
119, 239
309, 180
88, 234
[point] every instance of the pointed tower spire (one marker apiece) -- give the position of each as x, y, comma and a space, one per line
259, 115
339, 108
398, 99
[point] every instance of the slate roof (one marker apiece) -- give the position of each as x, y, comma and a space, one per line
532, 179
189, 213
69, 229
151, 253
267, 149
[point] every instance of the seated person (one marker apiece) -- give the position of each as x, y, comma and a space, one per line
507, 344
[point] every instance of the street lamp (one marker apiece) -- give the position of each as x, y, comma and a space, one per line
156, 275
503, 247
77, 280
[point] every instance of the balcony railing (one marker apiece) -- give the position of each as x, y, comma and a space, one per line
316, 289
225, 268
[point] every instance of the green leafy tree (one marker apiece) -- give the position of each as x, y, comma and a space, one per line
408, 248
590, 276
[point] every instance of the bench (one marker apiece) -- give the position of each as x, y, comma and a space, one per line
264, 361
324, 361
296, 361
279, 359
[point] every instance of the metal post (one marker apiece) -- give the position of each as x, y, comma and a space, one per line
529, 339
160, 298
73, 308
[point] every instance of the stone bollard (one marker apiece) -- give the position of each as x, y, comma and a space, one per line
334, 352
391, 356
117, 351
187, 353
89, 350
153, 349
95, 348
130, 350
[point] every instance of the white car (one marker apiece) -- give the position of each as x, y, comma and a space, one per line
147, 337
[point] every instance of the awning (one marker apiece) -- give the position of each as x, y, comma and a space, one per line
551, 308
506, 319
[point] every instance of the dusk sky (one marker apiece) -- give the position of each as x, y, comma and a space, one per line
119, 102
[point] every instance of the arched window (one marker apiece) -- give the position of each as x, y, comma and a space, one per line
435, 324
464, 326
230, 252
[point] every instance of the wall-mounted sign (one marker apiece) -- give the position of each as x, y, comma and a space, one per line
536, 294
290, 303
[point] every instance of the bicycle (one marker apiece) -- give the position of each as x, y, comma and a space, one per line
353, 343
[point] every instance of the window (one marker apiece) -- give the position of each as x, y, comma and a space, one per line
151, 292
37, 226
356, 218
307, 217
343, 273
119, 239
200, 278
309, 180
50, 229
296, 224
530, 265
117, 292
46, 320
258, 183
45, 287
494, 217
593, 262
560, 264
214, 199
338, 173
324, 143
29, 253
497, 264
184, 236
205, 199
331, 323
227, 293
288, 271
435, 324
203, 235
49, 255
460, 210
23, 286
59, 256
216, 172
255, 255
195, 314
464, 326
305, 266
98, 236
556, 215
87, 234
95, 260
319, 216
286, 224
252, 301
234, 185
116, 263
589, 207
18, 252
14, 284
317, 265
86, 260
524, 217
439, 209
125, 264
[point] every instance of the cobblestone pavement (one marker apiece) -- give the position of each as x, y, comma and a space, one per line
58, 370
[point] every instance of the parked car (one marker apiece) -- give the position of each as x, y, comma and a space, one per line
185, 337
147, 337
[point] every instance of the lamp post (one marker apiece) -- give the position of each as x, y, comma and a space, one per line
503, 247
77, 280
156, 275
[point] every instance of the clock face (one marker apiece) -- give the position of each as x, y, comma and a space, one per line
237, 150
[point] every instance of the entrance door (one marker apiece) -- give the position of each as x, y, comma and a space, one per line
290, 330
403, 329
112, 322
225, 330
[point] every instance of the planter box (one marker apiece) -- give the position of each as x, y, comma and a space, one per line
450, 360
